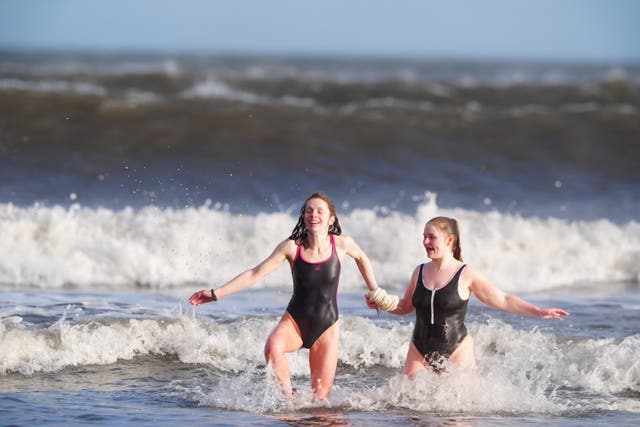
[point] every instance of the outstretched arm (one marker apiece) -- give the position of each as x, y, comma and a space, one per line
486, 292
247, 278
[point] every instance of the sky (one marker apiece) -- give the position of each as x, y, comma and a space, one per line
589, 30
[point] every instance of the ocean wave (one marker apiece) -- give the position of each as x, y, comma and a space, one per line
329, 82
80, 247
428, 102
53, 86
343, 70
43, 64
602, 365
214, 88
513, 363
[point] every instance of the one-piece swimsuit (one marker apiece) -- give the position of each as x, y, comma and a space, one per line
314, 305
439, 327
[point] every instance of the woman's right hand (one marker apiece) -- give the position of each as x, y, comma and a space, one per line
201, 297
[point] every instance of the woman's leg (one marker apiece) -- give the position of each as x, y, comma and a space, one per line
462, 356
285, 338
323, 361
414, 363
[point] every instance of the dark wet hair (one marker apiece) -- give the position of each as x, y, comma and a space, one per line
450, 226
300, 232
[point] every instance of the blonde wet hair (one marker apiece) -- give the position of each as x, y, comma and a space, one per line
449, 226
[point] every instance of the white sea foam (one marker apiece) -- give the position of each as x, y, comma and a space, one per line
56, 247
109, 67
215, 88
518, 370
527, 357
384, 103
53, 86
459, 391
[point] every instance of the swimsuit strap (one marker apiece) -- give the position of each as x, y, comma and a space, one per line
298, 249
421, 279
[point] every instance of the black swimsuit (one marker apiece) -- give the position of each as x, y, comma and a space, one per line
439, 328
313, 305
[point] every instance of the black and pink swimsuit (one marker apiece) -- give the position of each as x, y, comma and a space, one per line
314, 305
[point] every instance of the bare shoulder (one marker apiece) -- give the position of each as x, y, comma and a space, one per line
466, 278
344, 242
467, 271
346, 245
475, 280
470, 273
287, 248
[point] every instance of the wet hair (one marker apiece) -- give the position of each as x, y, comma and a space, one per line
300, 232
449, 226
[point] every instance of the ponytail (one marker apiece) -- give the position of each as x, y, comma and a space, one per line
457, 249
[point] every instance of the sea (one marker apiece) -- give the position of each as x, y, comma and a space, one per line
128, 181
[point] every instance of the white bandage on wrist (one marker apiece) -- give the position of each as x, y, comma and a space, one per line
383, 300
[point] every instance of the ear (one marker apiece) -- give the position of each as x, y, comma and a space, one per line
450, 239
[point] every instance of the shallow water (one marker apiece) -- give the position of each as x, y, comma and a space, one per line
97, 362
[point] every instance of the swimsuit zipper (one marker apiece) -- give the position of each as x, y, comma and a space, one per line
433, 295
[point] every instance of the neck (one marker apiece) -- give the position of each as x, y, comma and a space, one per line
318, 240
444, 262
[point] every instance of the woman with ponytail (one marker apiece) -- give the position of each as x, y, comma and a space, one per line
439, 291
314, 251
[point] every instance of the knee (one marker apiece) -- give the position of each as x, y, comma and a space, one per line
273, 350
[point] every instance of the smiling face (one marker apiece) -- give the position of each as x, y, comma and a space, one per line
436, 242
317, 216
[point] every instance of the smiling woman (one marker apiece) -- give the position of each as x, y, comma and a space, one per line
314, 251
439, 292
